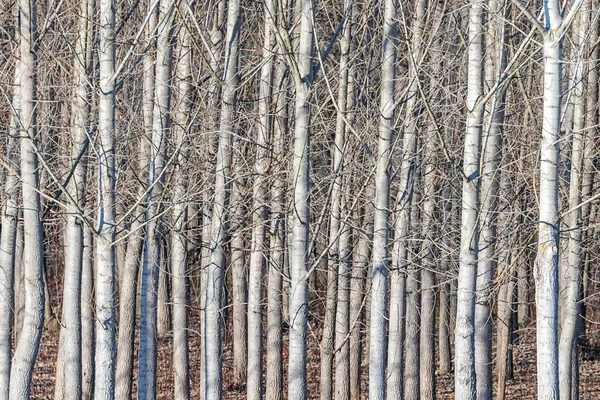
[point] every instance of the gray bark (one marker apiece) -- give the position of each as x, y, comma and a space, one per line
215, 270
464, 361
28, 344
179, 267
377, 332
10, 214
298, 306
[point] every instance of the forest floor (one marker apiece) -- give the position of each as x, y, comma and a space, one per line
523, 386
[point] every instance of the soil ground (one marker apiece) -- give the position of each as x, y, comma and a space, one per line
523, 386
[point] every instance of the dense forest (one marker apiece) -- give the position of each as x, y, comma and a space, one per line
299, 199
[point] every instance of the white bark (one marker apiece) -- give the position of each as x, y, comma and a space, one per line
298, 306
87, 316
445, 289
464, 361
546, 263
33, 251
342, 318
105, 253
215, 270
151, 261
178, 238
361, 262
428, 312
572, 271
128, 284
10, 214
495, 64
278, 243
259, 216
334, 264
71, 313
377, 331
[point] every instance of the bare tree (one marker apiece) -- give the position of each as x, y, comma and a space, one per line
464, 361
10, 215
71, 319
105, 251
179, 260
215, 271
259, 215
377, 332
33, 251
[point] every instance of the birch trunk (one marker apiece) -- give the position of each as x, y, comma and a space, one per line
105, 254
298, 306
403, 224
278, 241
87, 316
546, 263
10, 218
216, 36
238, 265
334, 265
495, 63
377, 331
506, 294
259, 217
413, 296
179, 260
572, 271
361, 263
28, 344
71, 332
464, 362
427, 331
128, 286
163, 310
445, 288
151, 261
342, 318
215, 270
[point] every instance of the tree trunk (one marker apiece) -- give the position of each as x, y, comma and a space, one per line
238, 223
87, 316
71, 315
10, 219
445, 288
572, 271
427, 331
495, 64
259, 218
298, 306
377, 332
163, 310
105, 253
179, 261
151, 260
215, 270
464, 361
278, 242
33, 250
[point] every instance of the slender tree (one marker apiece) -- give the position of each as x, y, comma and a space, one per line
33, 251
105, 252
179, 261
128, 284
546, 263
215, 271
259, 216
71, 320
10, 215
377, 331
464, 361
151, 260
